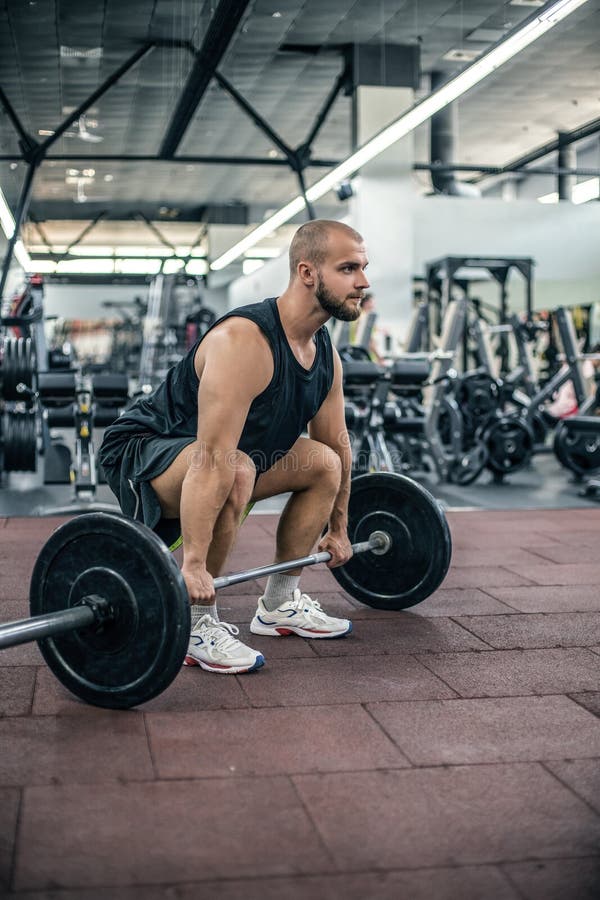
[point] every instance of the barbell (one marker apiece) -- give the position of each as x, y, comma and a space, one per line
110, 608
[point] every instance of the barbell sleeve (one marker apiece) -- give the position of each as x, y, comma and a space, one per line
374, 542
39, 627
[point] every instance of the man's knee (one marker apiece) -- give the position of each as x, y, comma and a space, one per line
325, 466
243, 483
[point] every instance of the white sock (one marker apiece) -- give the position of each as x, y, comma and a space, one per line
279, 589
199, 610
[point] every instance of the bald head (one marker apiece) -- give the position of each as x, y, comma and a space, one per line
311, 241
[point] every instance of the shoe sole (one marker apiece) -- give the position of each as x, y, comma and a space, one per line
284, 631
224, 670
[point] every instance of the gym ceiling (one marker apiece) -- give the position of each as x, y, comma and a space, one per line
199, 63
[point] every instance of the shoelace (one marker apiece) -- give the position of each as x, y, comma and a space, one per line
219, 633
313, 605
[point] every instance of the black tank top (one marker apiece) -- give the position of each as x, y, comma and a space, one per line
276, 418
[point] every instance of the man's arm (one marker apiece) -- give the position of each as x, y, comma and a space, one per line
329, 427
236, 367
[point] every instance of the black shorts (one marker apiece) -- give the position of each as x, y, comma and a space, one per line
129, 464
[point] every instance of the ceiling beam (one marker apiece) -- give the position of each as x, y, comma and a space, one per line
223, 25
201, 160
501, 170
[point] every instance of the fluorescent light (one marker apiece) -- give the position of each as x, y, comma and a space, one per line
22, 255
43, 266
6, 217
87, 250
279, 218
421, 112
149, 252
549, 198
264, 252
85, 267
251, 265
197, 267
138, 266
170, 266
586, 190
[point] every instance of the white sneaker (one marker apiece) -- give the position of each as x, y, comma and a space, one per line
214, 647
302, 616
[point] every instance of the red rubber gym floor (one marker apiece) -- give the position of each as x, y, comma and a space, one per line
448, 752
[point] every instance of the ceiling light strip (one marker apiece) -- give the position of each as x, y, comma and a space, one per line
415, 116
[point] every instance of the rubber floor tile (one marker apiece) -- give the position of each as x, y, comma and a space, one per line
456, 816
13, 610
479, 539
16, 690
245, 587
357, 679
269, 742
560, 879
482, 576
466, 883
454, 732
573, 573
460, 602
582, 776
101, 745
284, 647
493, 556
564, 598
535, 630
576, 538
505, 673
40, 527
14, 586
192, 689
589, 701
317, 579
517, 522
404, 634
9, 806
164, 832
22, 655
565, 553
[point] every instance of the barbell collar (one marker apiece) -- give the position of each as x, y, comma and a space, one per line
377, 541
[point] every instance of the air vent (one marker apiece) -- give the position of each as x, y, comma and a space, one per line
457, 55
79, 53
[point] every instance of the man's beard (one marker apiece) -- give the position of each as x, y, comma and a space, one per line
334, 307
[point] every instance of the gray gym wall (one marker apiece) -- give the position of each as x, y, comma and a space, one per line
78, 301
562, 239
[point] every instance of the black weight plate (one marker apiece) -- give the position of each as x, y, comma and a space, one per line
419, 558
509, 442
20, 441
136, 656
467, 468
578, 451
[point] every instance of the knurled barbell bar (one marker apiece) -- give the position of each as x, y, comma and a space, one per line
111, 612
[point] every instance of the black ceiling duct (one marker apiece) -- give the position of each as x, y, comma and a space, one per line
441, 147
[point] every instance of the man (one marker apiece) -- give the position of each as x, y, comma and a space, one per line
225, 430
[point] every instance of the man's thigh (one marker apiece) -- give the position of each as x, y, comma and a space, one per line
297, 470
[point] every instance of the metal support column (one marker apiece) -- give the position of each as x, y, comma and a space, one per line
567, 159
